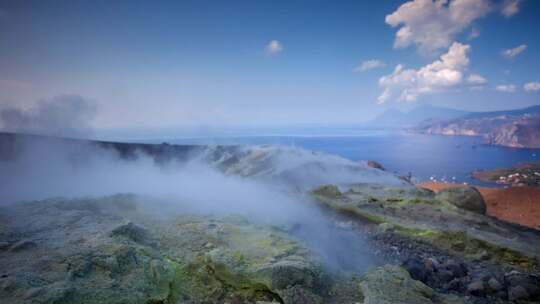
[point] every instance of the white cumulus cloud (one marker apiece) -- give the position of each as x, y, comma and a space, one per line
476, 79
507, 88
274, 47
513, 52
369, 65
432, 25
532, 86
510, 8
444, 73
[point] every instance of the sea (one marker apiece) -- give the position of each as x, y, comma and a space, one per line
424, 157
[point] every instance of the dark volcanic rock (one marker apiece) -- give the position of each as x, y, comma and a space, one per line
449, 275
132, 232
476, 288
458, 270
530, 283
376, 165
517, 293
417, 269
494, 284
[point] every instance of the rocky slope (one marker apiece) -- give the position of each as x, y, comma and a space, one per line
521, 133
518, 129
139, 248
444, 240
109, 250
118, 249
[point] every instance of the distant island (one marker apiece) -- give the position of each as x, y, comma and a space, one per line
396, 119
514, 128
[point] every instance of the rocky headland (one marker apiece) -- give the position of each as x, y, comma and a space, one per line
517, 129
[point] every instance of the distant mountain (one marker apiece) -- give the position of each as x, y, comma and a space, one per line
397, 119
514, 128
518, 112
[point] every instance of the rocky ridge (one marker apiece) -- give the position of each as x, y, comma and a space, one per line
450, 247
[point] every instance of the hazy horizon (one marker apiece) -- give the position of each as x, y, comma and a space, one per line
197, 64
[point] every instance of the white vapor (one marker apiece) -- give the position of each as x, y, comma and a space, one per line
43, 169
64, 115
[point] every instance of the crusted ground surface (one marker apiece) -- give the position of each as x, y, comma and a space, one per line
440, 242
111, 250
108, 251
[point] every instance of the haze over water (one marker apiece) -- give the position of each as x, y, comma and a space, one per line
425, 156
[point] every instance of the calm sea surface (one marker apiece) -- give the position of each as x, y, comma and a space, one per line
450, 158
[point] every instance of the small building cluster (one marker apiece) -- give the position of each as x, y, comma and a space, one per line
527, 178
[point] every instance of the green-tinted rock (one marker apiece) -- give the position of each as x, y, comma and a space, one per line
467, 198
420, 214
291, 273
86, 253
392, 284
300, 295
204, 281
329, 191
132, 232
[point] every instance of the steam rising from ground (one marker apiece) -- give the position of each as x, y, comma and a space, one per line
64, 115
78, 169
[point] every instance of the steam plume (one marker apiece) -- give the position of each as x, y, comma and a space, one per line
64, 115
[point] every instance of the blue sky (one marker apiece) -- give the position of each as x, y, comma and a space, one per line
150, 64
